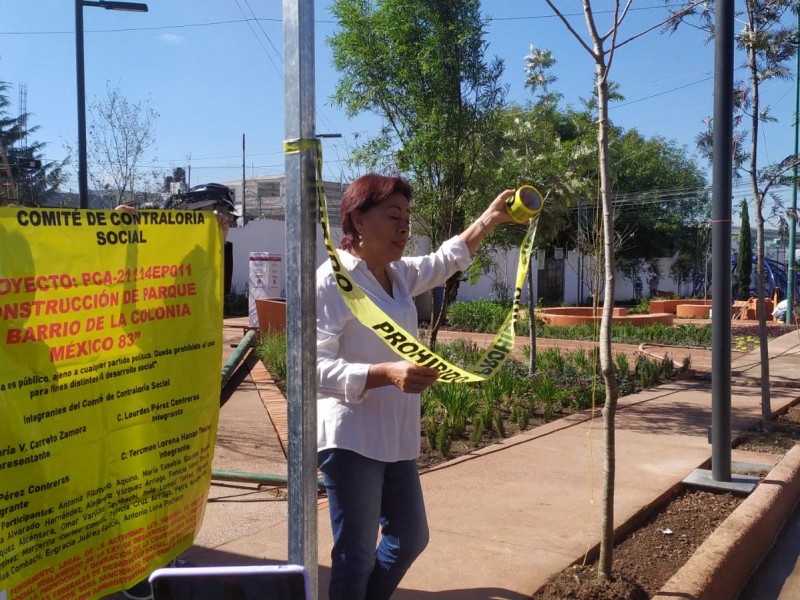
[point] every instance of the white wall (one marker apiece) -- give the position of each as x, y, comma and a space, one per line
270, 236
263, 236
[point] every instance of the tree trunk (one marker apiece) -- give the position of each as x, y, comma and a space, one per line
766, 408
438, 318
606, 364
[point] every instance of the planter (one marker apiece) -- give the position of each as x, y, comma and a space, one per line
271, 314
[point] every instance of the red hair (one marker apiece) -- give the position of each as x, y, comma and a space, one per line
364, 194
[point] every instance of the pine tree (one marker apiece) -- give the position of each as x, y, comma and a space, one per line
744, 260
33, 180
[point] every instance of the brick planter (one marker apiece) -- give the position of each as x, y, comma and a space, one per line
562, 316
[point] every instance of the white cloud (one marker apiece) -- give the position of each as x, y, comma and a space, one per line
171, 38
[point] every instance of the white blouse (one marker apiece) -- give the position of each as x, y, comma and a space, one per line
380, 423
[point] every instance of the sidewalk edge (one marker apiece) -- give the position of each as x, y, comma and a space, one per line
723, 564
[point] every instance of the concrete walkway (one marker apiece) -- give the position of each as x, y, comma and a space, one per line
504, 518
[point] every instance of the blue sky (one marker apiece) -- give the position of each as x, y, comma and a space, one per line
213, 73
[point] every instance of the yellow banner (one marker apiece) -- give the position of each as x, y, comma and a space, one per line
110, 355
403, 343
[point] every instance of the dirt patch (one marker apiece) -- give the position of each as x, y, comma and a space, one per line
650, 555
784, 434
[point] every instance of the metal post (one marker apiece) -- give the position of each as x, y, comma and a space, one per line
301, 340
83, 176
83, 171
721, 243
790, 299
244, 192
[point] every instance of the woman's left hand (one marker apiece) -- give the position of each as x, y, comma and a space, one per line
497, 213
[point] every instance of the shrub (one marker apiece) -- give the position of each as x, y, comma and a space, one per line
483, 316
235, 304
272, 352
478, 316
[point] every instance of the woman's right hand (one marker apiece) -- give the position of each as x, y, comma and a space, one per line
411, 378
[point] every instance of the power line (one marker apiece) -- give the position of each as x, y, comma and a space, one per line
258, 39
612, 106
280, 20
580, 14
277, 53
150, 28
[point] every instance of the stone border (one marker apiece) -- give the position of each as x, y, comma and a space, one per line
723, 564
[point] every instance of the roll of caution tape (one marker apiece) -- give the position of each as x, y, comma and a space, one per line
526, 204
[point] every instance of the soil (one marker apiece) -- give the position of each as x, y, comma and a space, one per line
784, 434
646, 558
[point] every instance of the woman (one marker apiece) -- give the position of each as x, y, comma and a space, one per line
368, 400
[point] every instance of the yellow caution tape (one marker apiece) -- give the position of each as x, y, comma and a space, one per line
398, 339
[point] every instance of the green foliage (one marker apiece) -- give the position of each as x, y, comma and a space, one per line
647, 372
443, 439
478, 315
420, 66
235, 304
458, 411
744, 258
454, 405
545, 391
430, 427
622, 368
642, 308
34, 186
486, 316
641, 169
272, 352
483, 316
408, 62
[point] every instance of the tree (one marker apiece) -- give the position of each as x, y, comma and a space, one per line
659, 190
30, 179
543, 147
119, 134
744, 258
659, 200
768, 45
602, 48
419, 65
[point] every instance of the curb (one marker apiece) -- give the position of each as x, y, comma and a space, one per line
723, 564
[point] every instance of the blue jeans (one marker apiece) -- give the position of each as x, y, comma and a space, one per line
364, 494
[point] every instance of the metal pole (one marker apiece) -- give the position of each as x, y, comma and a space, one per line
721, 189
244, 194
83, 176
790, 299
301, 332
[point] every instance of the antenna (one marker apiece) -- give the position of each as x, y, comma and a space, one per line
23, 114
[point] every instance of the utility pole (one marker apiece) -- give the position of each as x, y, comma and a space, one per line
790, 275
244, 189
722, 184
301, 330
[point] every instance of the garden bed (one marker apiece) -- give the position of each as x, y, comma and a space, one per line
650, 555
